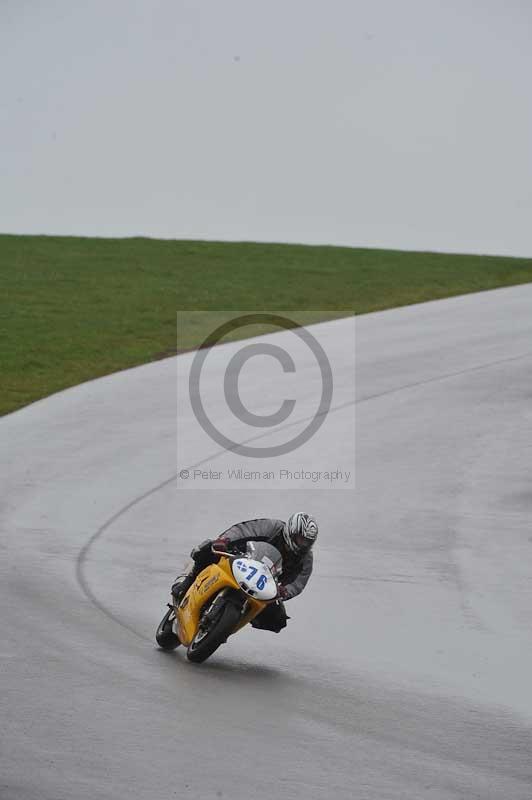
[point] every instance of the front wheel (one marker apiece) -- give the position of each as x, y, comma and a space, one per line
165, 635
207, 640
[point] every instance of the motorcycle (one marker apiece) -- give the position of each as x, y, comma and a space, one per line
224, 598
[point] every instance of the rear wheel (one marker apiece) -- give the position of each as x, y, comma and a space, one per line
210, 637
165, 635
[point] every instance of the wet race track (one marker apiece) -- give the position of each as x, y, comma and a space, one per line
405, 669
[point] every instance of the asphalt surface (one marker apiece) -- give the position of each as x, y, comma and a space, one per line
405, 670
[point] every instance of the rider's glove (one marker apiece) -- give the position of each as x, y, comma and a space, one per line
201, 549
282, 592
221, 544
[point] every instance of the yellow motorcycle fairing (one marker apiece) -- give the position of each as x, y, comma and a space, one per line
209, 582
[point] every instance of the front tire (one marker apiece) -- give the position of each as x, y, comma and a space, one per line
165, 636
206, 642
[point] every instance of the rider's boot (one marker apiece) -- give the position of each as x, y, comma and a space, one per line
181, 586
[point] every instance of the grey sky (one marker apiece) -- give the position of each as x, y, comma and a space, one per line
376, 123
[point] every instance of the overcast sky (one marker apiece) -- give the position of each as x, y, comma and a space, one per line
381, 123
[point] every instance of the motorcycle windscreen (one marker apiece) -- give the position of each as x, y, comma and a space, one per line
267, 554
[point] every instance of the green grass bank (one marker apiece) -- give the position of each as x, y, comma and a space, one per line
78, 308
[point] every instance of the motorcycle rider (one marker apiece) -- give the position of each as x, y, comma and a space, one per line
294, 539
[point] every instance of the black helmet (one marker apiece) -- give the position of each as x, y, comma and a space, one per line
300, 532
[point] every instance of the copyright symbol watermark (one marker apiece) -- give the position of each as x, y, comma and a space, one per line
231, 385
260, 386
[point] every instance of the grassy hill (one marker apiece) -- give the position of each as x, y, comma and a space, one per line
74, 309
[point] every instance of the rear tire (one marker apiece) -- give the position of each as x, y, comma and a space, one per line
165, 636
204, 644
